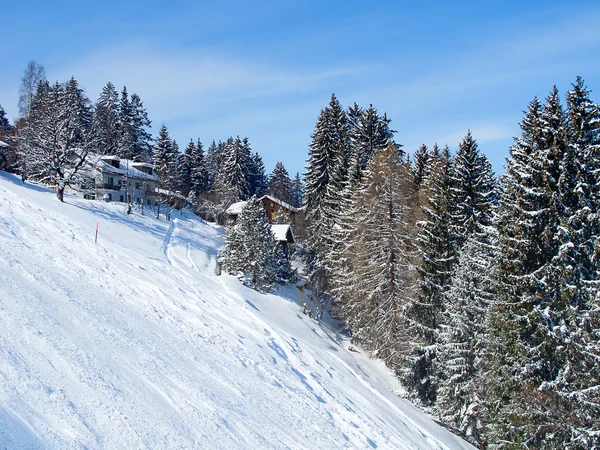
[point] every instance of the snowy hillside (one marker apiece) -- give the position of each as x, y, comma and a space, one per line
133, 342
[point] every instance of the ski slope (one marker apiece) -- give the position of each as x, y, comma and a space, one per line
134, 342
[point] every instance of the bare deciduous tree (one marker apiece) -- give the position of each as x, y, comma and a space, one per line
34, 74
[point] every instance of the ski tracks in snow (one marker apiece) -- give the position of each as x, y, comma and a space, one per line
167, 242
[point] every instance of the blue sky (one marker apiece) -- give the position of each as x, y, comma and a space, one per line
212, 69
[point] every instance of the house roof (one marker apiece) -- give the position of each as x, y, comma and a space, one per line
279, 202
126, 166
236, 208
175, 194
283, 233
3, 144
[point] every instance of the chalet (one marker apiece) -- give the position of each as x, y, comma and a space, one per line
114, 179
273, 207
284, 237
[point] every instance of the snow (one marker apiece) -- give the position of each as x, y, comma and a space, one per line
236, 208
280, 232
126, 166
178, 195
3, 144
134, 342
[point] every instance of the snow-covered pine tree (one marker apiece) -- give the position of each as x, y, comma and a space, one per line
420, 164
573, 392
142, 148
461, 342
471, 200
533, 330
5, 126
164, 160
185, 167
55, 141
369, 133
106, 123
297, 191
126, 141
259, 183
5, 129
436, 258
234, 177
199, 172
326, 178
214, 157
280, 185
250, 247
473, 189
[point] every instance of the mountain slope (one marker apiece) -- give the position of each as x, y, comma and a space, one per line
133, 342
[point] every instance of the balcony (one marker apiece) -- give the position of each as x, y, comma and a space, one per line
112, 187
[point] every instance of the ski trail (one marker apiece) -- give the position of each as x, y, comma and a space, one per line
188, 253
167, 242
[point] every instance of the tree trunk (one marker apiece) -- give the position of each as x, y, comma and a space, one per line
60, 194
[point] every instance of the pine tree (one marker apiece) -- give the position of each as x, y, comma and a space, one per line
164, 159
185, 167
5, 127
126, 140
297, 191
420, 164
199, 171
473, 189
259, 184
250, 248
462, 339
369, 134
142, 149
326, 176
234, 177
214, 157
106, 123
436, 250
543, 361
280, 185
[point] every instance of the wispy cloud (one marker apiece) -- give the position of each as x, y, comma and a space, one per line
175, 84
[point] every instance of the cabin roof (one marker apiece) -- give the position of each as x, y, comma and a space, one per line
283, 233
279, 202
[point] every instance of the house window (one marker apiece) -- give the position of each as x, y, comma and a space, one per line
137, 185
121, 199
111, 181
110, 197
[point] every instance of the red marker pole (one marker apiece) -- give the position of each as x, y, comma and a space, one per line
96, 240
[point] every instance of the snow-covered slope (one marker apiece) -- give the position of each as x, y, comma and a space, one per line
134, 342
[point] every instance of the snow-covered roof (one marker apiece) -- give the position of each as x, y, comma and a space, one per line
126, 166
279, 202
171, 193
3, 144
281, 232
236, 208
143, 164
